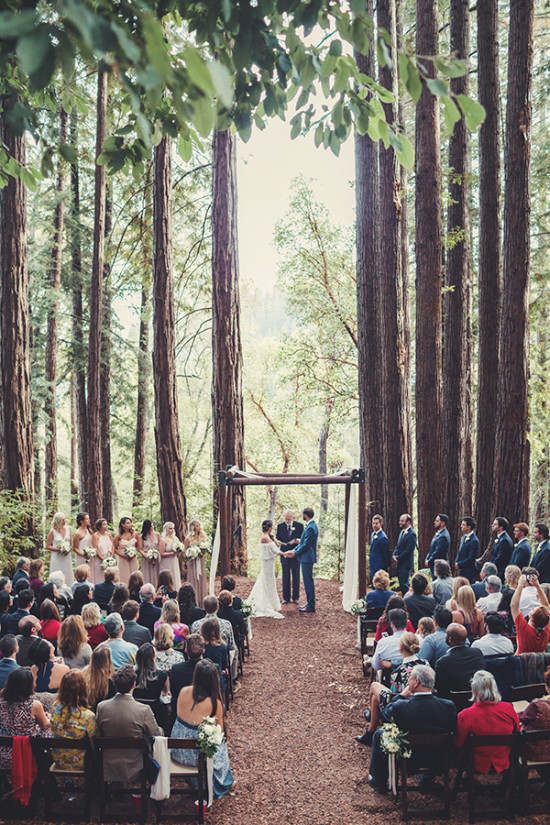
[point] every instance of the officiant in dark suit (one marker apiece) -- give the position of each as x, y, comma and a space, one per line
288, 533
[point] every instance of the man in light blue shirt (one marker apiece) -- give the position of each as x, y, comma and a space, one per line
387, 648
434, 646
122, 653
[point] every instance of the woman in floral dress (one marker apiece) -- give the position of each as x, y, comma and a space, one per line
71, 718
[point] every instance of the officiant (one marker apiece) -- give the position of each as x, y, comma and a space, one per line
288, 533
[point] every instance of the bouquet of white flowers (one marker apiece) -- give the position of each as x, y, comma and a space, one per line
193, 552
210, 736
153, 554
177, 547
110, 561
205, 548
248, 609
64, 547
358, 607
130, 551
90, 553
394, 741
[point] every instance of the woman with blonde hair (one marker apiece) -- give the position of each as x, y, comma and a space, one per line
468, 614
91, 617
58, 542
72, 643
379, 597
458, 582
196, 574
168, 549
171, 615
511, 576
163, 641
81, 576
98, 676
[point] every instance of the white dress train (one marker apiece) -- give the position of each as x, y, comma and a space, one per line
264, 593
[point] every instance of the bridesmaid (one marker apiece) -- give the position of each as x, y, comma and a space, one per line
126, 539
196, 574
82, 539
169, 560
60, 561
102, 542
149, 540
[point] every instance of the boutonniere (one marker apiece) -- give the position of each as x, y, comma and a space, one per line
516, 544
466, 538
437, 533
496, 541
375, 535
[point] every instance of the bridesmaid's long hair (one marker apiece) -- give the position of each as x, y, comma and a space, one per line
80, 518
191, 530
121, 529
146, 528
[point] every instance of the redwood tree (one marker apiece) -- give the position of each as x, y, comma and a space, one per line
105, 376
227, 397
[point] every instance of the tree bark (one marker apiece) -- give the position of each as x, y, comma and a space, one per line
457, 348
227, 397
429, 447
167, 436
512, 445
490, 258
74, 449
396, 423
105, 375
15, 372
51, 491
95, 481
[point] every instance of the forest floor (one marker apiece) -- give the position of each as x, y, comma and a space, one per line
292, 724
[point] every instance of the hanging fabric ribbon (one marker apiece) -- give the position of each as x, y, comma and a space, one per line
210, 779
351, 573
215, 559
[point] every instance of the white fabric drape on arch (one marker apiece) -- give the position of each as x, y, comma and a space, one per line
351, 574
214, 560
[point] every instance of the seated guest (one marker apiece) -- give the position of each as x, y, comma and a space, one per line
165, 587
458, 582
123, 716
120, 596
72, 718
25, 601
170, 614
490, 602
20, 714
387, 648
442, 585
151, 682
380, 696
104, 590
381, 594
488, 569
194, 703
182, 675
511, 577
133, 632
163, 641
36, 572
505, 611
50, 621
122, 653
91, 616
189, 612
8, 662
73, 644
81, 576
454, 670
99, 676
5, 606
215, 649
533, 635
488, 716
426, 626
82, 596
227, 611
494, 643
47, 673
148, 612
435, 646
228, 583
383, 626
29, 630
135, 583
63, 596
22, 570
529, 597
468, 614
211, 607
416, 710
536, 716
417, 603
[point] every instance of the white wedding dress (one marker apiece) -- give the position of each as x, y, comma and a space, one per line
264, 594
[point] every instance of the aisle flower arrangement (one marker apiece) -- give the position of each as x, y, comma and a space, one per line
210, 736
248, 610
358, 608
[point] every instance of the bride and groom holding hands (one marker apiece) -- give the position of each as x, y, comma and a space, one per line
299, 543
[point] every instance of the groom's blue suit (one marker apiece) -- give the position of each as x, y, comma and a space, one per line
306, 553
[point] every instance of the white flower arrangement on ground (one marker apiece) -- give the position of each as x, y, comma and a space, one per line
394, 741
110, 561
64, 547
358, 607
152, 554
248, 609
130, 551
210, 737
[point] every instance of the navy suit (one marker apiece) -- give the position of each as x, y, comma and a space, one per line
521, 554
290, 567
404, 553
502, 553
439, 548
467, 554
380, 553
455, 669
306, 553
542, 561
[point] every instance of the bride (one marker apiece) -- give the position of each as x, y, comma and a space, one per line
264, 593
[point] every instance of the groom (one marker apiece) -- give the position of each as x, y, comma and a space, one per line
306, 553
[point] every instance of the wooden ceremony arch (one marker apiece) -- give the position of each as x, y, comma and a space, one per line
233, 477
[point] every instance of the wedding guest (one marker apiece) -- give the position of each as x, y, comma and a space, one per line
171, 615
91, 617
215, 649
148, 612
122, 652
20, 714
189, 612
5, 605
82, 596
165, 588
418, 604
442, 585
8, 662
227, 612
50, 621
153, 684
35, 575
135, 583
125, 545
380, 596
47, 673
532, 635
536, 716
29, 629
25, 602
458, 582
72, 719
163, 641
468, 614
134, 633
103, 544
490, 602
494, 643
120, 596
73, 643
99, 676
169, 558
383, 627
182, 675
426, 626
81, 576
22, 571
148, 546
228, 583
387, 649
58, 542
511, 576
103, 592
63, 597
454, 670
435, 645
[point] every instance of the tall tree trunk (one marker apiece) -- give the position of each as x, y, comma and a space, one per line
512, 445
15, 328
105, 375
74, 449
396, 424
457, 367
227, 397
79, 358
167, 435
323, 444
95, 481
369, 306
429, 447
51, 491
490, 276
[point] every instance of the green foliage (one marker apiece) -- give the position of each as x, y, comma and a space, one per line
15, 514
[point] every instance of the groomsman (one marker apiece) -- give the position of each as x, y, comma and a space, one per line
502, 547
404, 552
521, 555
441, 542
468, 551
289, 532
380, 553
542, 555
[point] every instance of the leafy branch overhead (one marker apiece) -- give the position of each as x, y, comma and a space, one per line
184, 67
